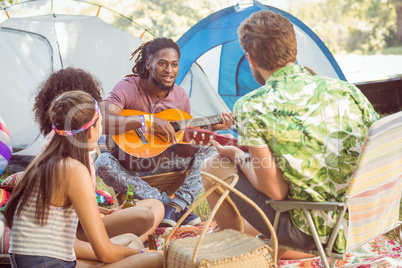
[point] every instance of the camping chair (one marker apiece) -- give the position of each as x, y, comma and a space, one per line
373, 196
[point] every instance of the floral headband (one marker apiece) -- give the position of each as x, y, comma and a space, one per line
85, 127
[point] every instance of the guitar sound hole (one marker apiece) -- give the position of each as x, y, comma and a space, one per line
175, 126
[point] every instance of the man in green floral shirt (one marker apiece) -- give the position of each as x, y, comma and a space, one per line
304, 134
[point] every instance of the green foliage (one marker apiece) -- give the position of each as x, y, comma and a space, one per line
171, 18
100, 185
4, 175
4, 3
366, 26
202, 210
397, 50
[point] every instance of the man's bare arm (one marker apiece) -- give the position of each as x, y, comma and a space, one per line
114, 123
268, 177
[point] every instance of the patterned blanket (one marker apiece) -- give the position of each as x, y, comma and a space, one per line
379, 253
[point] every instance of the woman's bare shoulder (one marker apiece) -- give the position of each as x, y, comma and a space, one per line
74, 168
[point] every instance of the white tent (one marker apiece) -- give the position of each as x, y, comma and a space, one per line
40, 37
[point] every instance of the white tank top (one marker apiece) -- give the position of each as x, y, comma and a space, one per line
55, 239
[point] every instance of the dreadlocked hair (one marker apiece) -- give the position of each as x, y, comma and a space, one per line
147, 50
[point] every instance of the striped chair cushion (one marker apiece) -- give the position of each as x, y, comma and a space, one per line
375, 190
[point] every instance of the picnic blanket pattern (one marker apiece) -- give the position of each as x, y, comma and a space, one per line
380, 253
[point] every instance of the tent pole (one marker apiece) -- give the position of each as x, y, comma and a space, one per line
97, 13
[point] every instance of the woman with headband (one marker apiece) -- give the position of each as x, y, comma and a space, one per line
56, 191
140, 220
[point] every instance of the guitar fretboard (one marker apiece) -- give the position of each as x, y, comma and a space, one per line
200, 121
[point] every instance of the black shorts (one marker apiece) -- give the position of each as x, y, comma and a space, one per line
288, 234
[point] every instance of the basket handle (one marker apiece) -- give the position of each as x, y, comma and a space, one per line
234, 178
217, 183
230, 187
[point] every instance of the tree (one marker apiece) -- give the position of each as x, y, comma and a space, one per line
376, 23
4, 3
364, 25
171, 18
398, 9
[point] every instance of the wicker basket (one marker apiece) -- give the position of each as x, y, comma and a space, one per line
227, 248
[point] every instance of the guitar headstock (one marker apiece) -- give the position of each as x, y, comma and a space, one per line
198, 136
203, 137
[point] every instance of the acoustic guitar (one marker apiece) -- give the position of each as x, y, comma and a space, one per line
142, 152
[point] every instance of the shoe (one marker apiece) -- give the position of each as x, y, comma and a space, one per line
191, 219
171, 217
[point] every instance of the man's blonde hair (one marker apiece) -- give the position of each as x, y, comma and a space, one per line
269, 39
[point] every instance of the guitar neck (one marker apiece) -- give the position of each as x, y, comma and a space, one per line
200, 121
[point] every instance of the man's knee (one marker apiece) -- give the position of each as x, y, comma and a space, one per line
216, 162
219, 166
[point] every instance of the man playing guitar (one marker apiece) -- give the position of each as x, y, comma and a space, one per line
152, 89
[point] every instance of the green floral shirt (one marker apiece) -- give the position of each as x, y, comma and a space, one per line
316, 127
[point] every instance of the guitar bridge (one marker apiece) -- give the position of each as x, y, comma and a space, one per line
141, 135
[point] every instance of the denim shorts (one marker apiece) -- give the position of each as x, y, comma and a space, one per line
28, 261
288, 234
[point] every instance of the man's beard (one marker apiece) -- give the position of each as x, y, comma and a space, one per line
258, 77
161, 86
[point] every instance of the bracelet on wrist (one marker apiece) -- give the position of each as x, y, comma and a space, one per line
149, 120
143, 127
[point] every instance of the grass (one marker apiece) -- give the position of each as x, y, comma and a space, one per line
395, 50
202, 210
100, 185
4, 175
392, 50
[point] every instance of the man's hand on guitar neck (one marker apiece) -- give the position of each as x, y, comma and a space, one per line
227, 122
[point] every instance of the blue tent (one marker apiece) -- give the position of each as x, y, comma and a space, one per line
213, 44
